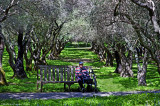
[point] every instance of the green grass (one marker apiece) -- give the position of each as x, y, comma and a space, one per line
128, 100
107, 80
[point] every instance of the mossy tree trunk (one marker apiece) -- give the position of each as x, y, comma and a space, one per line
2, 73
2, 77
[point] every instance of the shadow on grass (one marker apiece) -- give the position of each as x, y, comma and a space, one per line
152, 79
128, 82
106, 76
60, 88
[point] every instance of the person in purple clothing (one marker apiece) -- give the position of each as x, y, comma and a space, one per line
81, 74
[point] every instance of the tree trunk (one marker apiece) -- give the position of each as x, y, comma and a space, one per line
1, 49
126, 67
28, 49
52, 56
54, 53
19, 67
102, 54
141, 74
39, 62
109, 60
28, 65
2, 73
57, 49
158, 68
2, 77
139, 51
92, 45
37, 59
28, 62
158, 61
118, 61
124, 64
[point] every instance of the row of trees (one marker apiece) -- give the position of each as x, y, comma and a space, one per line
127, 29
123, 30
30, 30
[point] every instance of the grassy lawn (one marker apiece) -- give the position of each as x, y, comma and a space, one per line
129, 100
107, 80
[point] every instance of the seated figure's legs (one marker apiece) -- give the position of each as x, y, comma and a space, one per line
80, 81
89, 82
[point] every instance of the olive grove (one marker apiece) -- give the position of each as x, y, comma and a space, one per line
119, 31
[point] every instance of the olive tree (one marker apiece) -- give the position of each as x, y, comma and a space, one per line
7, 9
145, 23
112, 34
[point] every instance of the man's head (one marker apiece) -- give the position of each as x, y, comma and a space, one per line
80, 64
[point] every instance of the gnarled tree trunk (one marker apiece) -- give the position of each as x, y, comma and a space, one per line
2, 77
19, 67
56, 50
118, 61
37, 59
141, 74
124, 64
110, 58
28, 60
2, 73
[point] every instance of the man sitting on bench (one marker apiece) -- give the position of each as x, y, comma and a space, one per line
82, 75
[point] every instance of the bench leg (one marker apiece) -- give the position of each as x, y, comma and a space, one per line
95, 87
64, 86
41, 87
69, 87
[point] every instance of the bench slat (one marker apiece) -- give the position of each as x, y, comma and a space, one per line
68, 74
62, 74
41, 74
49, 73
72, 74
57, 70
53, 73
45, 74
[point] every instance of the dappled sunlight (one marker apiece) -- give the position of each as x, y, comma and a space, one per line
107, 80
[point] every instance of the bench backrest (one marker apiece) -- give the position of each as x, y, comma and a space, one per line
58, 73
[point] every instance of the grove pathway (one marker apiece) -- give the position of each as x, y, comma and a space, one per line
62, 95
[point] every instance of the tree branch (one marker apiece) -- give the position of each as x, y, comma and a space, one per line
6, 11
150, 6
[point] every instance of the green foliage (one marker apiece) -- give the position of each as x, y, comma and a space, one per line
129, 100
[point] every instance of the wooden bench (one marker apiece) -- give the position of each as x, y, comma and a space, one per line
60, 74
